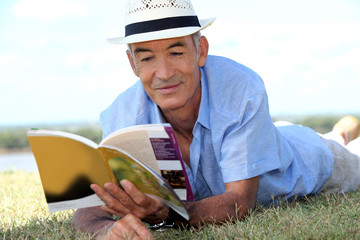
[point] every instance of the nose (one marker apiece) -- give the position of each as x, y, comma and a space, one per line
164, 69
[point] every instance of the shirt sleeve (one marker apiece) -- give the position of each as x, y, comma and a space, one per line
249, 145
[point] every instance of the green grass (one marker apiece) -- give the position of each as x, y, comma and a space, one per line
24, 215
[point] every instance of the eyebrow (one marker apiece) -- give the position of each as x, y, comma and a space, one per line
177, 44
140, 49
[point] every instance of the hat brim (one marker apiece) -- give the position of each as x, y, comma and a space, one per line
163, 34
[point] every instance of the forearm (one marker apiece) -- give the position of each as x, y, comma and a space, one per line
92, 220
226, 207
235, 203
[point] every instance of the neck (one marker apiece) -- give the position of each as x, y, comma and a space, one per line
183, 119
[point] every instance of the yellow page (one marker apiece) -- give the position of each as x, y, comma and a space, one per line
67, 167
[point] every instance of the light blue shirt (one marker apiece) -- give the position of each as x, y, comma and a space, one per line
234, 137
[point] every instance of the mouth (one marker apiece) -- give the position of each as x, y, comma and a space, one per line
169, 88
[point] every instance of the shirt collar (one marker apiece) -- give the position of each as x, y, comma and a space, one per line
204, 117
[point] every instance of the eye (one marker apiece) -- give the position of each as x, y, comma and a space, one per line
177, 53
146, 59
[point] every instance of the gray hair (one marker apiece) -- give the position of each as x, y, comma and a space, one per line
196, 39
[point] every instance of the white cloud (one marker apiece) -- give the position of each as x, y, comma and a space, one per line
46, 10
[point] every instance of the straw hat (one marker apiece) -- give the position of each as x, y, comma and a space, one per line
148, 20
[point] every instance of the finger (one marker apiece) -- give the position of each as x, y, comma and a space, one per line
121, 196
137, 196
113, 212
113, 206
122, 232
136, 224
143, 232
142, 205
148, 204
100, 192
130, 227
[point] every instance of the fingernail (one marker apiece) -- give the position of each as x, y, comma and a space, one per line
124, 183
108, 186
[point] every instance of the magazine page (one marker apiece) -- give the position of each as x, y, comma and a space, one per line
67, 166
155, 146
135, 141
171, 164
124, 166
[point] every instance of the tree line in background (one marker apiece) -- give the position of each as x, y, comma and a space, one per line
15, 138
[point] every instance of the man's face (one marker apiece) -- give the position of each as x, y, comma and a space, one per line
169, 70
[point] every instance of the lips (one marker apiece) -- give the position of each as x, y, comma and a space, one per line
168, 88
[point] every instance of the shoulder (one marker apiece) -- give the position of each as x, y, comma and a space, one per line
232, 86
232, 70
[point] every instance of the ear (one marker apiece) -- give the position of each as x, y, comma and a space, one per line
203, 51
132, 63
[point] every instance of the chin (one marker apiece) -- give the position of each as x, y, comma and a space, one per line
170, 105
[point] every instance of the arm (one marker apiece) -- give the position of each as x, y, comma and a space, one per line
237, 201
128, 203
92, 220
96, 221
129, 199
119, 202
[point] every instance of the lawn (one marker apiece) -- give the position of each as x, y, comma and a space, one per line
24, 215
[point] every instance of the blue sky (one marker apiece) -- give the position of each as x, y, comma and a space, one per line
55, 65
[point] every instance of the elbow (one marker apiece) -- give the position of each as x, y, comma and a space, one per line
91, 220
243, 212
243, 207
83, 217
76, 220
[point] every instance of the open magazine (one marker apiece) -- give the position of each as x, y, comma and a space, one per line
147, 155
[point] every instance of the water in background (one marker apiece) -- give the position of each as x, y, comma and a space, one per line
18, 161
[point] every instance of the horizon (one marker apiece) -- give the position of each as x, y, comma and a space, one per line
57, 66
82, 123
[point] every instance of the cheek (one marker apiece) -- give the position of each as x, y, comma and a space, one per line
146, 83
145, 76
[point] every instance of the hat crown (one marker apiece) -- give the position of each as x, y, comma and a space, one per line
148, 20
147, 10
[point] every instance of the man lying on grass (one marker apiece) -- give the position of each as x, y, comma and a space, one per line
218, 108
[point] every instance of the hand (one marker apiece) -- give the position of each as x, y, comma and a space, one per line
129, 227
120, 202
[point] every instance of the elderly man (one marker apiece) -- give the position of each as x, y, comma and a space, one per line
235, 156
